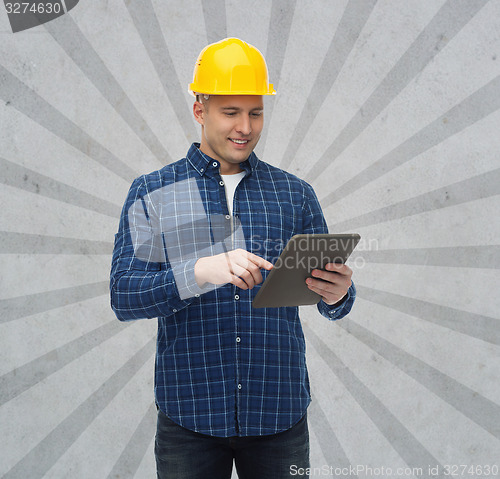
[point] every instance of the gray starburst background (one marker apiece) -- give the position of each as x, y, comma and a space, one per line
390, 109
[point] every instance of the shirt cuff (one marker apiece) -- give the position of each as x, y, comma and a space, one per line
185, 280
338, 311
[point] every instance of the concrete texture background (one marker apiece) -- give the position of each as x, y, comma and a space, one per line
389, 109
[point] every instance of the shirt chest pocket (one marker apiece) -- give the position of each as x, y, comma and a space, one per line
272, 228
282, 222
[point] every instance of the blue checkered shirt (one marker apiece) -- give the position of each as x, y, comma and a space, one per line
222, 368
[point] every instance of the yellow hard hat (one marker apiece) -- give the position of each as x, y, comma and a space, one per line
231, 67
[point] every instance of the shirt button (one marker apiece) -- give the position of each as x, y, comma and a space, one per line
238, 339
202, 170
221, 183
174, 310
228, 217
215, 164
239, 386
197, 295
236, 297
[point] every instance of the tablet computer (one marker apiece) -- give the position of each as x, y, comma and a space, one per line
285, 285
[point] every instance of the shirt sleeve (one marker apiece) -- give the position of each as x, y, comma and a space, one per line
338, 311
142, 281
314, 223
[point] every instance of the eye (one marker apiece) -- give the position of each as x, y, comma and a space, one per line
230, 113
256, 115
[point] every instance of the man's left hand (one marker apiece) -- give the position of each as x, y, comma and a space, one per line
331, 284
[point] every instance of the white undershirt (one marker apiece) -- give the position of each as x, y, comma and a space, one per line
231, 182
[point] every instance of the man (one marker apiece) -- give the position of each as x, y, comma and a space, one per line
195, 241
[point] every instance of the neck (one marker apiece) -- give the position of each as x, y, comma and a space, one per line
230, 170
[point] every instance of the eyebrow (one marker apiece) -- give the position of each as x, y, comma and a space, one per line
235, 108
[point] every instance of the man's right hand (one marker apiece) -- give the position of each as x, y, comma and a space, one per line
238, 267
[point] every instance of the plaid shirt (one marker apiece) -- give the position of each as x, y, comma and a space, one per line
223, 368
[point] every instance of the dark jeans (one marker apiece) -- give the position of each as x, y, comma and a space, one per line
184, 454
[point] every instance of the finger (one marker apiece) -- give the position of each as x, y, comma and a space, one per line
259, 261
232, 275
238, 282
246, 266
330, 277
249, 279
243, 273
246, 269
341, 282
317, 290
338, 268
329, 294
252, 264
254, 271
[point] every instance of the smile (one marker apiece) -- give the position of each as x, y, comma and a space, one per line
239, 142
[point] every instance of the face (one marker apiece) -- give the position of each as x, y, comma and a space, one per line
231, 128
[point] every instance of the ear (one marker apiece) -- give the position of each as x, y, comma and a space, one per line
199, 112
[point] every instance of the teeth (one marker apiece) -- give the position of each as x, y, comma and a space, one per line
240, 142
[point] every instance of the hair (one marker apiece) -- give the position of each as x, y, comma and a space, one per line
201, 96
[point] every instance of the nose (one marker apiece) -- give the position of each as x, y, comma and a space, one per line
244, 125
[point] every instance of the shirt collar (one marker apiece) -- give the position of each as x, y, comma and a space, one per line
203, 163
